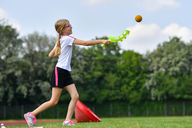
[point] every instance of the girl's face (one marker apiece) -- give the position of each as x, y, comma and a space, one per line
67, 30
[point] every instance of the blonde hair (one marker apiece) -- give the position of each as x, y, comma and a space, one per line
59, 25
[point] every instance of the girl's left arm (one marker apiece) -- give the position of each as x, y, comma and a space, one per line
52, 53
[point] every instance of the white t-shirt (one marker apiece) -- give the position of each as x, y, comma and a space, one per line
64, 60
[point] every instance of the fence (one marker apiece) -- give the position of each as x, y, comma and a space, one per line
107, 109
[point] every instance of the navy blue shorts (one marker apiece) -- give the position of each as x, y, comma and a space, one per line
61, 78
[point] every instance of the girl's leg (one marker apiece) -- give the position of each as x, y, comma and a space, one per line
74, 98
56, 92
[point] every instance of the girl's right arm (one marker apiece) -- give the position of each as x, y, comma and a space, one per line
90, 42
52, 53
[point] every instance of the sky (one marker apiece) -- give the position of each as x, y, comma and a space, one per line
162, 19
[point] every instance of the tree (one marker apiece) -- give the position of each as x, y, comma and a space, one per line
10, 46
34, 81
131, 72
169, 67
105, 72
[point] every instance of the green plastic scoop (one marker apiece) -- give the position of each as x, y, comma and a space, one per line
119, 38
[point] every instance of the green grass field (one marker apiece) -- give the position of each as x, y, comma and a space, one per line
125, 122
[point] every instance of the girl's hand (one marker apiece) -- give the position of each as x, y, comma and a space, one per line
105, 42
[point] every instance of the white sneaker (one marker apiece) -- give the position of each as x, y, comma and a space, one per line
68, 123
30, 119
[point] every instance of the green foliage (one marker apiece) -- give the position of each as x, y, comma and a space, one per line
131, 71
10, 46
24, 63
35, 63
101, 74
170, 70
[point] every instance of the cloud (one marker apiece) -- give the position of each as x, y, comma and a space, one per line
143, 38
3, 13
94, 2
154, 5
11, 21
175, 30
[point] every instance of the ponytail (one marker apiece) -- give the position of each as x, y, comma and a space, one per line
59, 25
58, 47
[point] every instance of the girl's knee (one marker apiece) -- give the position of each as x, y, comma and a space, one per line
75, 96
53, 103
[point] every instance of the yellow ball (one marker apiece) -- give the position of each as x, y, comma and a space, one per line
138, 18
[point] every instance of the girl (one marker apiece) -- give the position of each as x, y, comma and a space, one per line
61, 77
